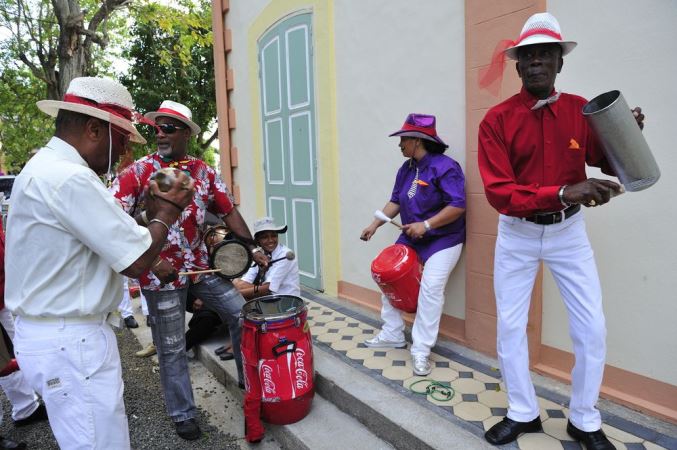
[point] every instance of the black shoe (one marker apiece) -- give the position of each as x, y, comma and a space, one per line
221, 350
227, 356
148, 321
39, 414
8, 444
188, 429
508, 430
130, 322
593, 440
240, 384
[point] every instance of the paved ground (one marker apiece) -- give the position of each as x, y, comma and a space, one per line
150, 428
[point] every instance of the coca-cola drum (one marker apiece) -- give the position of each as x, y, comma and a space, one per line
277, 354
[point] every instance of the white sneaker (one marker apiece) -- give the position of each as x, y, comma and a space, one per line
422, 365
378, 342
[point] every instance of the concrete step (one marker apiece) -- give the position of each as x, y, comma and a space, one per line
325, 428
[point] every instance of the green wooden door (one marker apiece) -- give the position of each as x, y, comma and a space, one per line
288, 118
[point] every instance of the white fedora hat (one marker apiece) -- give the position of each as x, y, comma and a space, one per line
267, 224
177, 111
103, 98
541, 28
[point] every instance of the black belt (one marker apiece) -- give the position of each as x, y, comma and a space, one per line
554, 217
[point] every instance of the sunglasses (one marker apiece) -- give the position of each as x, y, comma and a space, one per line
167, 128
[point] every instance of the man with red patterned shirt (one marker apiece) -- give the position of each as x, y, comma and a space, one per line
163, 288
533, 149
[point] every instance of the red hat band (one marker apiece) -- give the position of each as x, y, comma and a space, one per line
171, 111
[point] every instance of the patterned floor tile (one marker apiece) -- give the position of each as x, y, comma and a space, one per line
490, 422
344, 345
360, 353
377, 363
478, 398
620, 435
443, 374
538, 441
557, 428
398, 354
397, 373
467, 386
472, 411
493, 399
329, 337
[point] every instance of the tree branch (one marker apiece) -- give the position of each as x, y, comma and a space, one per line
208, 142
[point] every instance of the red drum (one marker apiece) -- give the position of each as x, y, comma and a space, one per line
277, 354
397, 271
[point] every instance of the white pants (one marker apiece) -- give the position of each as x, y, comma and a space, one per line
75, 366
22, 397
565, 249
125, 306
430, 302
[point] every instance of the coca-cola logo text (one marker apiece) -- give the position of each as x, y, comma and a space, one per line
267, 376
300, 373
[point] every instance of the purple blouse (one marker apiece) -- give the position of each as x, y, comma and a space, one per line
440, 184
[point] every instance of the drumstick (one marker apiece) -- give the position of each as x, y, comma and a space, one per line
381, 216
197, 272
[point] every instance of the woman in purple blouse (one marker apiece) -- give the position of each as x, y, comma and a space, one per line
429, 195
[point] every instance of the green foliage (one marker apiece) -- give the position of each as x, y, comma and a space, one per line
22, 126
171, 59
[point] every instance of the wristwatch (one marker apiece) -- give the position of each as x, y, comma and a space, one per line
427, 226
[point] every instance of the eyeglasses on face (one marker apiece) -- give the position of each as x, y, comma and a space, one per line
167, 128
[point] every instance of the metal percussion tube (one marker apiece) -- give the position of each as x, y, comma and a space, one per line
622, 141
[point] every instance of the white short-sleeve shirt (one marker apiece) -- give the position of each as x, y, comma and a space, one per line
67, 239
283, 275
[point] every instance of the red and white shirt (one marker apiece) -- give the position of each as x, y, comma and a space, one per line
526, 155
184, 248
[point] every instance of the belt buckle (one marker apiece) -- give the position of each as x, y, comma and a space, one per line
562, 216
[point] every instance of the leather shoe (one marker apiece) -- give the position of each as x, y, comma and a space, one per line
221, 350
508, 430
130, 322
8, 444
188, 429
39, 414
593, 440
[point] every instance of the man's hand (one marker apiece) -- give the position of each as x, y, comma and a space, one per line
164, 271
168, 205
260, 259
639, 117
591, 192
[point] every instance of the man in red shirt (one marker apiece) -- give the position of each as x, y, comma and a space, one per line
533, 149
165, 290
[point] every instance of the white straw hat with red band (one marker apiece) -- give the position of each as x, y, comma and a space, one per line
176, 111
103, 98
541, 28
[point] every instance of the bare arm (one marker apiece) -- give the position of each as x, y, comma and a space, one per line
391, 210
163, 207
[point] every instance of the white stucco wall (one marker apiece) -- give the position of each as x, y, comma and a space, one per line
393, 57
239, 18
630, 46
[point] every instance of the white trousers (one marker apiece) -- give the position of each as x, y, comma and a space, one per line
125, 306
22, 397
565, 249
75, 367
430, 302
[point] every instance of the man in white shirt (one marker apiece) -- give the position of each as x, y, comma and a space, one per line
67, 244
282, 275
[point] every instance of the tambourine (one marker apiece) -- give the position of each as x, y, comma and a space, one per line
231, 257
228, 259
